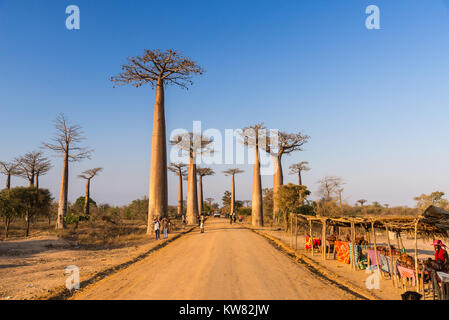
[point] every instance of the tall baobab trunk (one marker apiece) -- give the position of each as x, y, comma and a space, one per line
257, 206
200, 196
299, 178
158, 201
36, 182
31, 180
180, 198
278, 180
87, 198
8, 181
62, 206
233, 194
192, 194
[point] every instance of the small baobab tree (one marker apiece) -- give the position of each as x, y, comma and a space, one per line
180, 170
202, 172
9, 169
362, 202
232, 173
329, 186
158, 69
209, 201
280, 144
298, 169
195, 145
88, 175
31, 165
66, 144
339, 192
254, 137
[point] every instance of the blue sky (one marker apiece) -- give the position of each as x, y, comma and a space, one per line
375, 102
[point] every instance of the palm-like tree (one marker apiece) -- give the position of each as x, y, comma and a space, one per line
281, 144
233, 172
254, 136
298, 168
180, 170
195, 145
88, 175
9, 169
202, 172
158, 68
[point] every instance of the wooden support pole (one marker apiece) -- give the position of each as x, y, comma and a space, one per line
296, 232
392, 271
375, 249
416, 256
311, 234
323, 243
353, 264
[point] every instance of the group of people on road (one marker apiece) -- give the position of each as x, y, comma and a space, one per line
232, 218
159, 224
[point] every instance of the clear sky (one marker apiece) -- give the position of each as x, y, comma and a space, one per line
375, 102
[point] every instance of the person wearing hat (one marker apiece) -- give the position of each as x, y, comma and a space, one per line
440, 253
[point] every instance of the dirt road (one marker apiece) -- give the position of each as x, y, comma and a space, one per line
226, 262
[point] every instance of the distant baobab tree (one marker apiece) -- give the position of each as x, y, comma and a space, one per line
329, 186
340, 197
31, 165
194, 145
233, 172
88, 175
9, 169
254, 136
209, 201
202, 172
158, 69
180, 170
362, 202
280, 144
42, 168
65, 144
298, 168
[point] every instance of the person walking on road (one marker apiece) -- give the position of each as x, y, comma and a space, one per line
165, 227
230, 218
157, 228
202, 224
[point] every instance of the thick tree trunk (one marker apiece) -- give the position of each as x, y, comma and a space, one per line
31, 179
278, 180
8, 181
233, 194
180, 198
257, 206
158, 201
86, 199
63, 192
300, 178
200, 196
36, 183
192, 194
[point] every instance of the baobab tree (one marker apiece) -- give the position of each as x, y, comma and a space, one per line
340, 197
362, 202
329, 186
279, 144
233, 172
31, 165
9, 169
209, 201
66, 144
255, 136
298, 168
180, 170
88, 175
194, 144
158, 69
202, 172
42, 168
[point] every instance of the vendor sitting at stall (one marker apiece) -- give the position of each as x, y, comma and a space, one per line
440, 253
